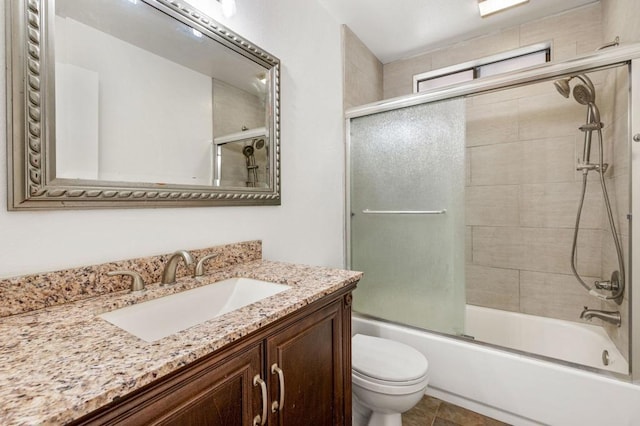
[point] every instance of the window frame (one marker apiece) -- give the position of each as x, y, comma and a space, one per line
477, 64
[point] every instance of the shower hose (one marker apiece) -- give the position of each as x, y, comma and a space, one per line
617, 293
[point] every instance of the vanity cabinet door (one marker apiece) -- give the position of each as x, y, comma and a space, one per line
228, 398
310, 355
214, 393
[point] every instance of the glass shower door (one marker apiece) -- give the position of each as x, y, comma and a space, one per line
407, 215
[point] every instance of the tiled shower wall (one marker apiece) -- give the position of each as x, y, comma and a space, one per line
616, 153
522, 187
620, 18
571, 33
235, 109
362, 73
522, 196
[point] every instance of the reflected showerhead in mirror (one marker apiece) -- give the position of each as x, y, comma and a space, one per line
247, 151
258, 143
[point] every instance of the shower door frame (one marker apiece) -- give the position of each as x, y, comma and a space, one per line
628, 55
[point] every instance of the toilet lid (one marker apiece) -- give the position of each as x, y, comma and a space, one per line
386, 359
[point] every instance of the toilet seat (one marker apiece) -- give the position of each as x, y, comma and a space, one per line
386, 366
388, 388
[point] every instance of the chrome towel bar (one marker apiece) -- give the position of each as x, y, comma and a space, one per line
367, 211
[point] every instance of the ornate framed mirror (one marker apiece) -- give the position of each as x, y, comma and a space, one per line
137, 103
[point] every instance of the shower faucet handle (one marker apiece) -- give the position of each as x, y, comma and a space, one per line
612, 284
603, 285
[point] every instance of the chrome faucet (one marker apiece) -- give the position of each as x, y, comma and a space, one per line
169, 274
609, 316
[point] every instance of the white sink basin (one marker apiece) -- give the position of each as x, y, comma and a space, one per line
158, 318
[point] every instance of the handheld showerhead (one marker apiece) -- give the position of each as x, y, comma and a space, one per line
583, 94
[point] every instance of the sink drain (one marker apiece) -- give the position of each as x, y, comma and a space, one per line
605, 357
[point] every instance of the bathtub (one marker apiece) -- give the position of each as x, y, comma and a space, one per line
512, 387
564, 340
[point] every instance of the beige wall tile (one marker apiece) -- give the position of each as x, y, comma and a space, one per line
492, 123
618, 191
549, 115
362, 72
534, 161
476, 48
493, 287
492, 205
619, 335
582, 26
555, 205
398, 75
553, 295
549, 250
536, 249
548, 160
621, 203
617, 140
620, 18
571, 33
467, 167
510, 94
563, 51
468, 245
498, 247
496, 164
609, 254
234, 108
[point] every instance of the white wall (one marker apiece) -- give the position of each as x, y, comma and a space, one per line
306, 228
145, 134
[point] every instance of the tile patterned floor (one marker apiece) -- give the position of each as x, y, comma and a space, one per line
434, 412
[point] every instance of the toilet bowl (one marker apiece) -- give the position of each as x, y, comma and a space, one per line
389, 378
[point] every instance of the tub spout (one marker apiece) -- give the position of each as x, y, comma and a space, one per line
612, 317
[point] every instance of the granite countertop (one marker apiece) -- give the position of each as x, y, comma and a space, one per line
60, 363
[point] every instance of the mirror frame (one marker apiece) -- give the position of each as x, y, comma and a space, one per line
31, 122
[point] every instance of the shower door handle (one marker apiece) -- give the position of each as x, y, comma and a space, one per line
367, 211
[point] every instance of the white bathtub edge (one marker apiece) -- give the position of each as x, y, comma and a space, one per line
485, 379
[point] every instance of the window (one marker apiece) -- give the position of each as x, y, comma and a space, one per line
497, 64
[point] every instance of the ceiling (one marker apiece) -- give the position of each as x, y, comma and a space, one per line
396, 29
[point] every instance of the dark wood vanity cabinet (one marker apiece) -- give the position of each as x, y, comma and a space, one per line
302, 360
311, 357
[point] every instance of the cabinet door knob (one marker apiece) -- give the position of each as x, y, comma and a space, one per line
261, 420
276, 405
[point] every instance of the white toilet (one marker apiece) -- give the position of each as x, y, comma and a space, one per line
389, 378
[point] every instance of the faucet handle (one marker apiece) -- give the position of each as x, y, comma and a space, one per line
199, 271
137, 283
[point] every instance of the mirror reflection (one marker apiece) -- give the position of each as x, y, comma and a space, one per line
242, 157
142, 97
